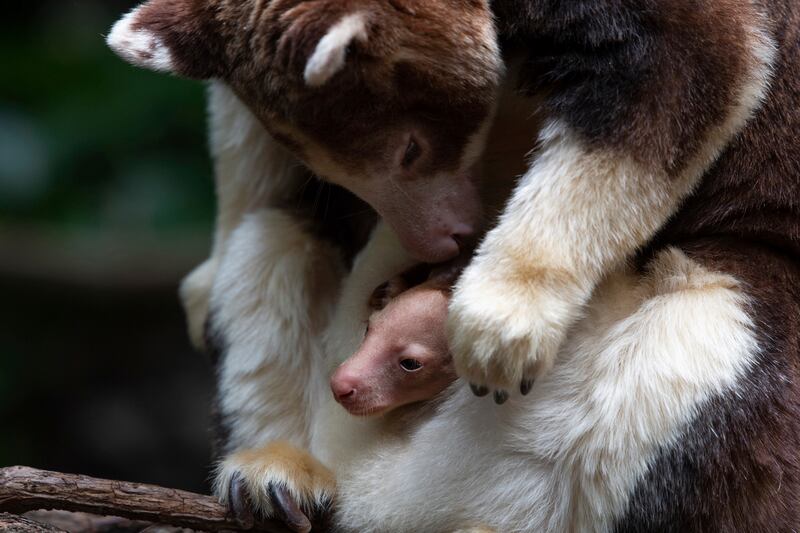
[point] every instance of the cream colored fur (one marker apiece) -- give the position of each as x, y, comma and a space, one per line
273, 291
648, 353
576, 215
195, 293
251, 171
638, 355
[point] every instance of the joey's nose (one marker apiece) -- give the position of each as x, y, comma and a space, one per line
346, 395
343, 390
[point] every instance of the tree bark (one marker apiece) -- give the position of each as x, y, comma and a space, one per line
19, 524
25, 489
89, 523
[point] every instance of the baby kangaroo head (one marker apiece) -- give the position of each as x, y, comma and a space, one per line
404, 356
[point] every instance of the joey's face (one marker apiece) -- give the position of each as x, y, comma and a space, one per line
403, 358
390, 99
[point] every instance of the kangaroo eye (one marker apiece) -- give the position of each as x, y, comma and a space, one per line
410, 365
412, 153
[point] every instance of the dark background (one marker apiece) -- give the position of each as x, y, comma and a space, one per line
106, 202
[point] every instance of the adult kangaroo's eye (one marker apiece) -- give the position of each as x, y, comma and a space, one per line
412, 153
410, 365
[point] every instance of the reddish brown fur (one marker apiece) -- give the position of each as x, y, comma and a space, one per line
644, 77
648, 78
427, 77
740, 453
262, 53
752, 192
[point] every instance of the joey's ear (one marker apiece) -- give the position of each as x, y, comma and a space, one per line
168, 36
330, 54
386, 292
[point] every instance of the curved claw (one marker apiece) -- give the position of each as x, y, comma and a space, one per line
478, 390
500, 397
526, 386
287, 507
240, 503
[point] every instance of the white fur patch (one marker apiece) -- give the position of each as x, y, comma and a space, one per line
139, 46
382, 259
195, 292
252, 172
330, 55
633, 373
251, 169
651, 352
270, 301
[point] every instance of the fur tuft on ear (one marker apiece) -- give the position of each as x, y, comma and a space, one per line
138, 45
330, 55
177, 36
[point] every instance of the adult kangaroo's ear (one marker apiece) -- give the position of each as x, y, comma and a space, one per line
330, 54
317, 37
177, 36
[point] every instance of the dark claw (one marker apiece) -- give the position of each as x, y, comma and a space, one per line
526, 386
500, 397
478, 390
240, 503
288, 509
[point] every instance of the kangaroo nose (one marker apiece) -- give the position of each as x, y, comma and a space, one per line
347, 395
342, 390
462, 232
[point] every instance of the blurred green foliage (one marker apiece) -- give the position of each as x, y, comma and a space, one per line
87, 141
98, 161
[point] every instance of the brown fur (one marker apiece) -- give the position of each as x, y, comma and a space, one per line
641, 79
752, 192
431, 84
261, 52
736, 468
668, 70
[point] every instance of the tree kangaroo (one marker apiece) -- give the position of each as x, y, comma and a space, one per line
647, 257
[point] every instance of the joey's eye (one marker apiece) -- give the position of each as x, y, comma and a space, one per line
410, 365
412, 153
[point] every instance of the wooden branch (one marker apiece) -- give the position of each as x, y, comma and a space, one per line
25, 489
16, 524
89, 523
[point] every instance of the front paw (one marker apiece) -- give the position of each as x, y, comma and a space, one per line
277, 481
505, 328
